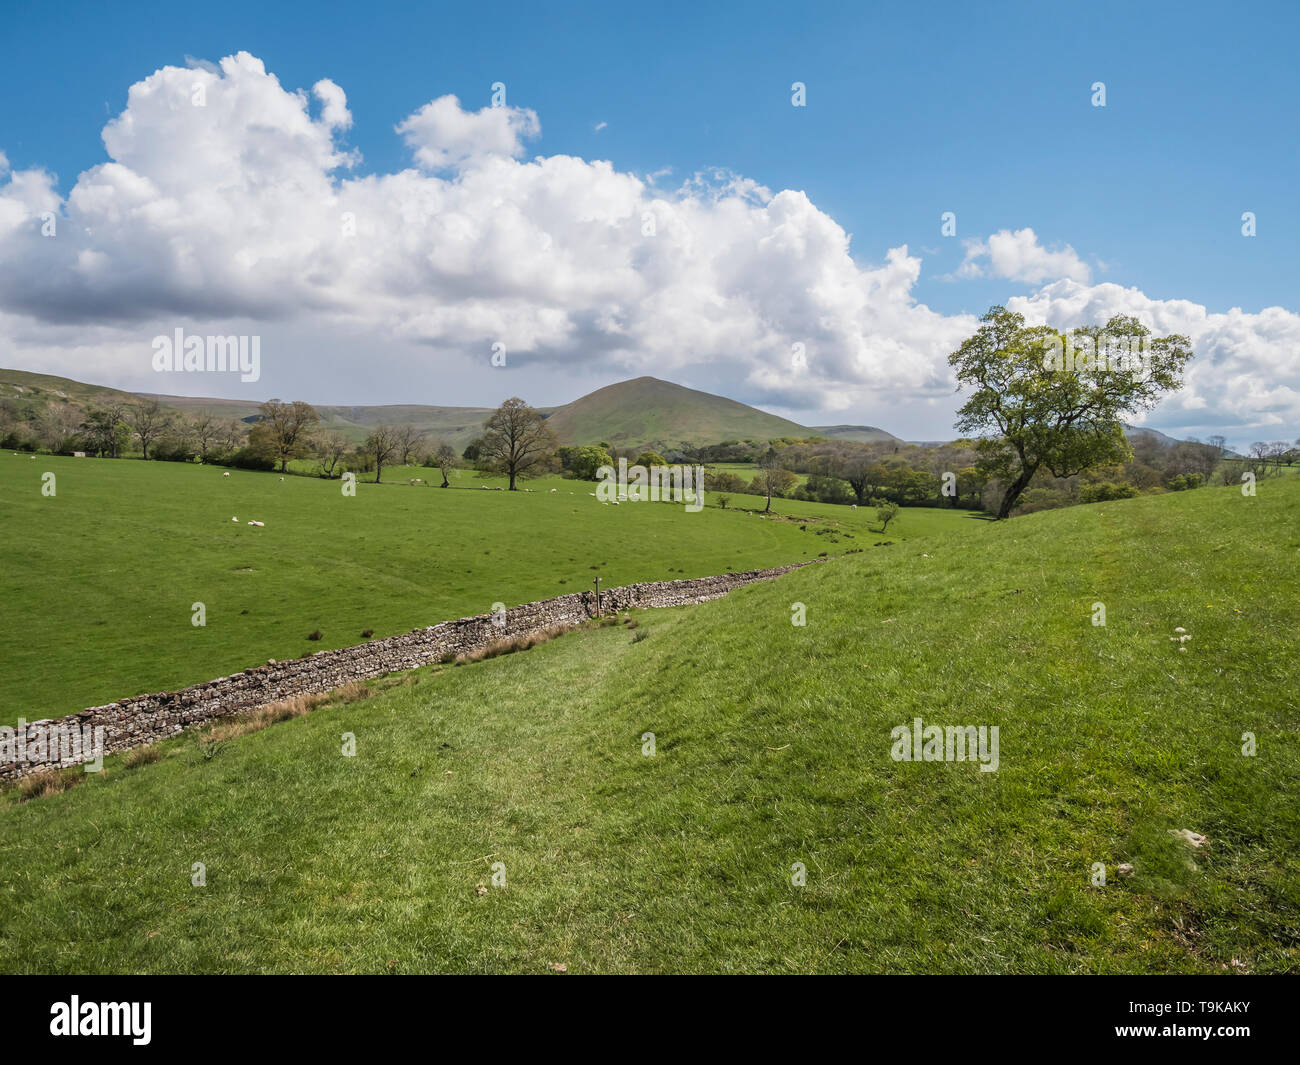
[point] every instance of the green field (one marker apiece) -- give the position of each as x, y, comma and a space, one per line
772, 748
98, 582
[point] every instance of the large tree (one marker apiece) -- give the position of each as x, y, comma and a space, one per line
381, 445
286, 428
207, 430
772, 479
105, 431
445, 456
330, 449
1064, 420
148, 420
517, 441
409, 442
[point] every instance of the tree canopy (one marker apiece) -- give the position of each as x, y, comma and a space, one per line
1053, 401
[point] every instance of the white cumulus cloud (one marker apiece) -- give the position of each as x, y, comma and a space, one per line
248, 211
1018, 256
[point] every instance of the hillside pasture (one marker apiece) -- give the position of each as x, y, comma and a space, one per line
772, 754
99, 581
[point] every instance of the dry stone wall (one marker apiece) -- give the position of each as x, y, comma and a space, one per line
143, 719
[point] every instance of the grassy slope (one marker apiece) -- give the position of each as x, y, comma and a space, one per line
98, 582
772, 748
862, 434
647, 411
38, 390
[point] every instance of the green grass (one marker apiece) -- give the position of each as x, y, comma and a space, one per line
772, 748
98, 582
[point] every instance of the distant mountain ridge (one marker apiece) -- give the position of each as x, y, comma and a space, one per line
862, 434
643, 412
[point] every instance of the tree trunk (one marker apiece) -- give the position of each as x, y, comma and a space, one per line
512, 480
1013, 493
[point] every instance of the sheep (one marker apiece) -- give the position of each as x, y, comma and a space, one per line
259, 524
226, 474
235, 520
554, 489
853, 506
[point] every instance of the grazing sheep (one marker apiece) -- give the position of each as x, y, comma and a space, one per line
853, 506
554, 489
235, 520
259, 524
226, 474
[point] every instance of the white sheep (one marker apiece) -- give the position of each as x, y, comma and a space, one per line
853, 506
554, 489
235, 520
226, 474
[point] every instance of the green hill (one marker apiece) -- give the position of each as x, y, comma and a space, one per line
644, 412
861, 434
772, 754
32, 393
647, 412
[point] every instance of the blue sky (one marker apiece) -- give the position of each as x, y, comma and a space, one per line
913, 110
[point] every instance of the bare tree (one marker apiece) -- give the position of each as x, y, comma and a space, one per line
232, 433
381, 445
330, 448
516, 440
207, 430
59, 422
148, 420
409, 439
446, 456
772, 478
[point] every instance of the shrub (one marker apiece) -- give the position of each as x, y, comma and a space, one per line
315, 635
139, 756
46, 782
1104, 491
